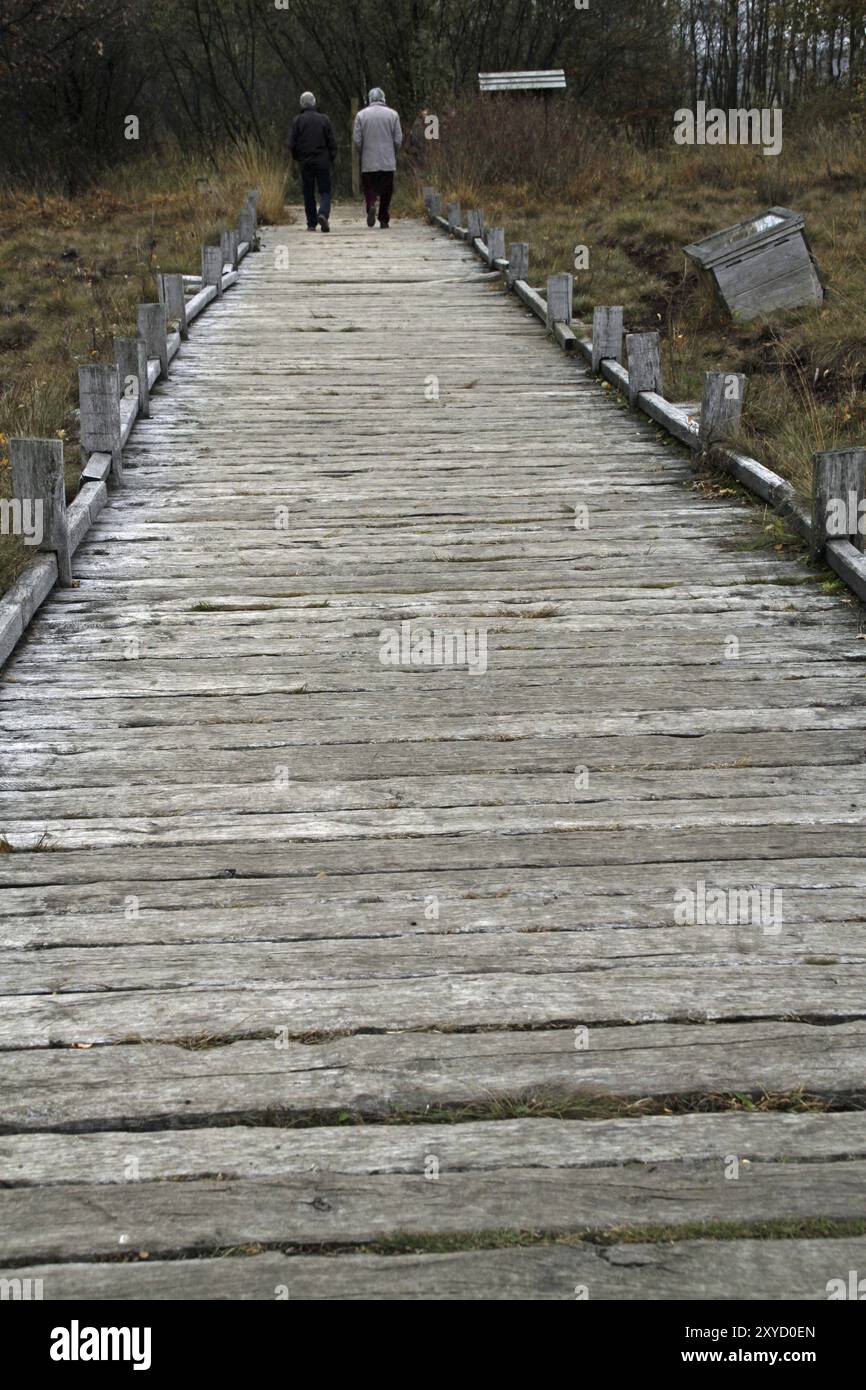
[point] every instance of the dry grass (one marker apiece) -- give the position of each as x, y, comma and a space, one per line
806, 368
73, 272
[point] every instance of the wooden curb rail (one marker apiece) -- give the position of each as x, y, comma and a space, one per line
111, 398
838, 475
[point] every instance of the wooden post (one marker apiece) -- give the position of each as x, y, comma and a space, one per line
435, 205
170, 289
474, 223
838, 497
495, 244
130, 355
518, 261
559, 293
643, 356
99, 401
354, 156
721, 406
38, 483
453, 213
426, 192
229, 247
151, 327
251, 205
247, 225
212, 268
606, 333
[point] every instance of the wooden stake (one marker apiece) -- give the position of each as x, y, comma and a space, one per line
38, 486
838, 497
721, 407
229, 239
606, 334
453, 214
212, 268
518, 261
643, 355
170, 288
151, 327
247, 226
99, 402
559, 294
495, 244
130, 355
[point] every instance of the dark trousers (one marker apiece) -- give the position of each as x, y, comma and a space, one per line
378, 185
310, 178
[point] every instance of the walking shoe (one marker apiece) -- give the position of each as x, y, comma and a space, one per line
324, 223
312, 227
371, 217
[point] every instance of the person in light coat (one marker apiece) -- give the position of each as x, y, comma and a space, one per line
378, 137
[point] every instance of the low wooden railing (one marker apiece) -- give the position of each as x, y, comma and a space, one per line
111, 398
833, 528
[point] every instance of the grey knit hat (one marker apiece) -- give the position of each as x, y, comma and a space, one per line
376, 94
307, 100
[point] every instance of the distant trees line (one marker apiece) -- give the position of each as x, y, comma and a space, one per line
208, 73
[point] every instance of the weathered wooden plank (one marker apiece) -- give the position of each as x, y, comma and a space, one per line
43, 1224
498, 999
755, 942
244, 1152
685, 1271
157, 1086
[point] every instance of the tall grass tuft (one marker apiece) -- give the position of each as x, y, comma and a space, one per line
256, 165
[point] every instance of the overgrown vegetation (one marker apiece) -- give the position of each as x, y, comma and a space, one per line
634, 208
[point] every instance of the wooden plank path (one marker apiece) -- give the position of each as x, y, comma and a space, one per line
329, 978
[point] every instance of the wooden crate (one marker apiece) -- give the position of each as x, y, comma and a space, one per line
761, 265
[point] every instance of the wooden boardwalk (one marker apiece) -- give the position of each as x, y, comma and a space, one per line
275, 908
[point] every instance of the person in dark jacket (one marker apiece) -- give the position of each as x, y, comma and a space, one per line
313, 145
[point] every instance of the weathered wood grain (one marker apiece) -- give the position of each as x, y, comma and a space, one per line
99, 401
152, 328
39, 489
721, 407
145, 1086
606, 334
644, 365
245, 1152
39, 1225
682, 1271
